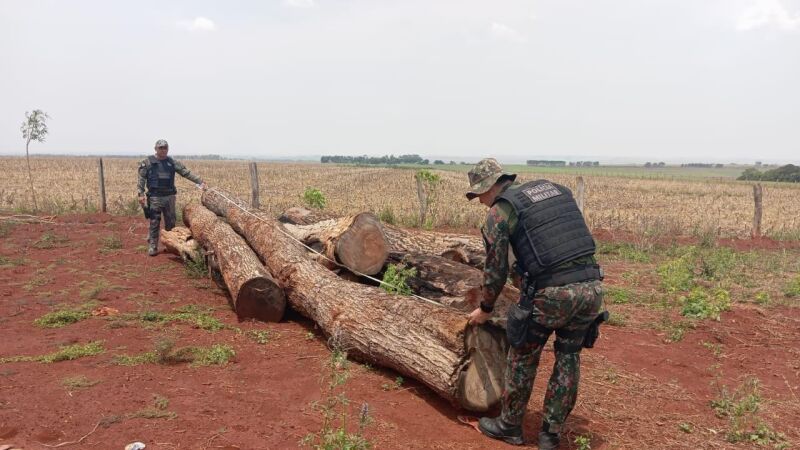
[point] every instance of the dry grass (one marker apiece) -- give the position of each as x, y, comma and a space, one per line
646, 207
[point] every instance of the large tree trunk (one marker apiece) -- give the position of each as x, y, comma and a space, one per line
451, 283
178, 241
254, 293
461, 248
357, 242
424, 341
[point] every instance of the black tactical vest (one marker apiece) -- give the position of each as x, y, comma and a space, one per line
161, 176
550, 229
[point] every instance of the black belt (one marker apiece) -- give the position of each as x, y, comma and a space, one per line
568, 276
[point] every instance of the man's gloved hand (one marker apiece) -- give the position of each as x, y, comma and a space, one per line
142, 200
203, 185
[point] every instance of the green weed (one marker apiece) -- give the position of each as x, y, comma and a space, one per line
49, 240
197, 316
314, 198
716, 349
741, 408
617, 320
624, 250
61, 318
6, 262
386, 215
583, 443
700, 304
94, 290
792, 289
216, 355
157, 411
110, 243
398, 382
677, 274
259, 336
395, 279
196, 269
65, 353
618, 295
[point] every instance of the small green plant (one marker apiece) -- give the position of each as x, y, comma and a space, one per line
11, 262
386, 215
617, 320
699, 304
314, 198
395, 279
157, 411
741, 408
197, 316
763, 298
583, 443
334, 434
110, 243
216, 355
66, 353
686, 427
310, 336
196, 269
94, 290
165, 353
618, 295
716, 349
398, 382
49, 240
677, 274
675, 330
626, 251
61, 318
427, 193
78, 382
259, 336
792, 289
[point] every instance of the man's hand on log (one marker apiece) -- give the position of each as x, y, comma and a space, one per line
142, 200
478, 317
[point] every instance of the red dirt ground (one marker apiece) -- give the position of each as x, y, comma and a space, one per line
636, 389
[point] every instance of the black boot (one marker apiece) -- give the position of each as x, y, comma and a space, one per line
548, 440
497, 429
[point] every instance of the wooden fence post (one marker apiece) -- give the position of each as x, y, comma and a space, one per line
580, 194
254, 186
102, 181
757, 197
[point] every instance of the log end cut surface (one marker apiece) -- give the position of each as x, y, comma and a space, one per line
363, 246
261, 299
481, 383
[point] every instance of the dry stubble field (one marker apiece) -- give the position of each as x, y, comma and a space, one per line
644, 207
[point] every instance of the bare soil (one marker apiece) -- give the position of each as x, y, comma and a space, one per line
638, 390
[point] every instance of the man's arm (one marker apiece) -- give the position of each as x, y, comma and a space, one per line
142, 181
185, 173
495, 269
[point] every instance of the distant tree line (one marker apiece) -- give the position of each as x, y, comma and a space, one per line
439, 162
788, 173
546, 163
390, 159
584, 163
703, 165
658, 164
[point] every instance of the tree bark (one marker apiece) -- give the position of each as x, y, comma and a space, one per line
424, 341
178, 241
461, 248
357, 242
254, 293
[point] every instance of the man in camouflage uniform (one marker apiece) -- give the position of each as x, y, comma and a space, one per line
157, 172
564, 297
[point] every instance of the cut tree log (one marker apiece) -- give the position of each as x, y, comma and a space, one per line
178, 241
420, 340
357, 242
254, 293
452, 283
461, 248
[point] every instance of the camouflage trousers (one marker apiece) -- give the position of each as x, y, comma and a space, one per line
161, 205
570, 307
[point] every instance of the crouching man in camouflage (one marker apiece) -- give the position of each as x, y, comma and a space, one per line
560, 292
158, 173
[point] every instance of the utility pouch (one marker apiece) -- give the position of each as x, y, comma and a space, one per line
519, 317
594, 330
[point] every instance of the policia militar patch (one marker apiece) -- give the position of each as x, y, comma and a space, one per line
541, 192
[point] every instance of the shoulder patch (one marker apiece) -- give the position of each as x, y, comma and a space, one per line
541, 192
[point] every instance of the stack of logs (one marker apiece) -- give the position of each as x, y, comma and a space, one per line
325, 268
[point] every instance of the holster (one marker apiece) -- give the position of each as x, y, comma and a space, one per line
594, 330
519, 315
146, 208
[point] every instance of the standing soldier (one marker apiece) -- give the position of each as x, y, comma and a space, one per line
158, 173
560, 292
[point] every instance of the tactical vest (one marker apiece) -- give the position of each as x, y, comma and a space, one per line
161, 176
550, 229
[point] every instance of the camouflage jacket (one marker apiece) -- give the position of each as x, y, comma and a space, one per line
501, 221
180, 169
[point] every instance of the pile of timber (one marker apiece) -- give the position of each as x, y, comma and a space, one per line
428, 339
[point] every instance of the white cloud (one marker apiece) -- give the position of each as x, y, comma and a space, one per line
506, 33
767, 13
198, 24
299, 3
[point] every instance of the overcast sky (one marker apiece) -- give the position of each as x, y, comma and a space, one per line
669, 80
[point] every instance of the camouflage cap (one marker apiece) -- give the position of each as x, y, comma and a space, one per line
161, 143
484, 175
